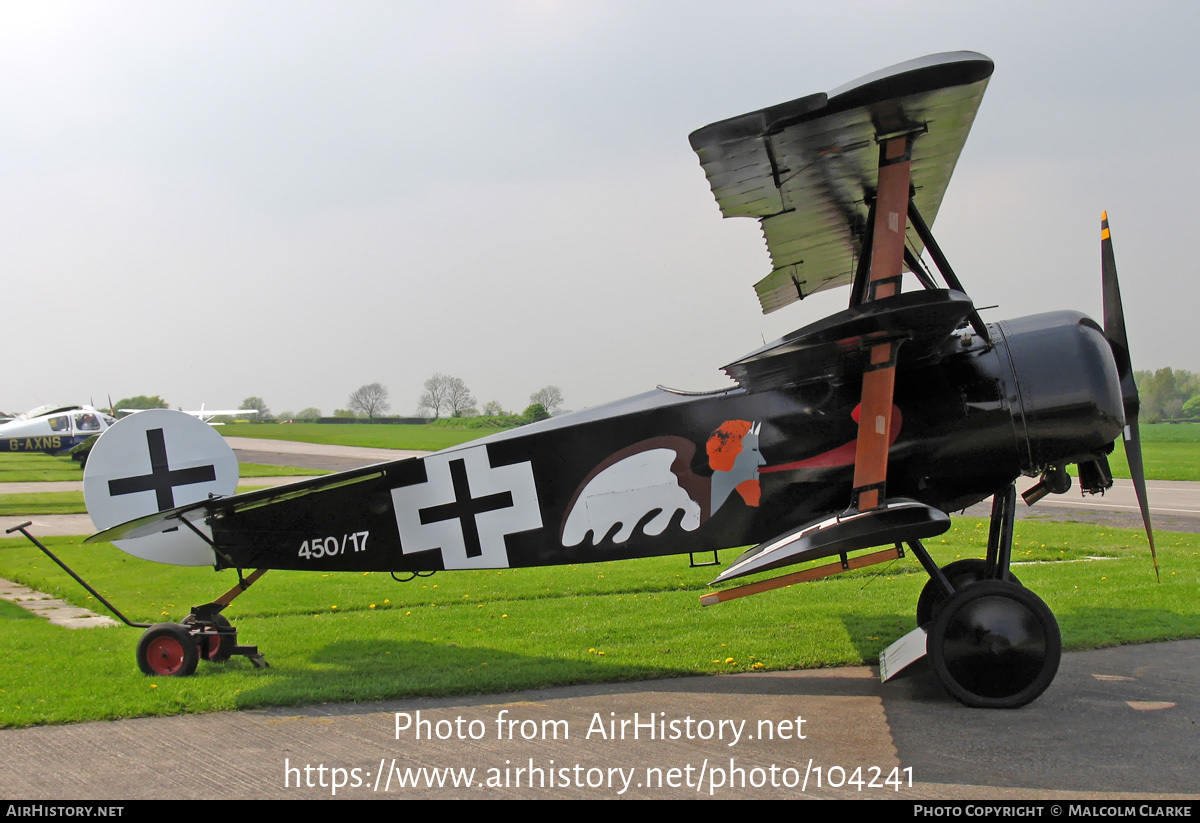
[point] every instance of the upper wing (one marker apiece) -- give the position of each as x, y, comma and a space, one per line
806, 168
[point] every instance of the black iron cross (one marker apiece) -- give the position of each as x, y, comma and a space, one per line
465, 508
161, 479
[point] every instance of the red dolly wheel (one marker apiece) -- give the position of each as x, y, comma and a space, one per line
168, 650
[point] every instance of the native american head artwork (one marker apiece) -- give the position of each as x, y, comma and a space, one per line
647, 486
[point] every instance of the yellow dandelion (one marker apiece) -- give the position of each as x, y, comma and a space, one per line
372, 605
728, 659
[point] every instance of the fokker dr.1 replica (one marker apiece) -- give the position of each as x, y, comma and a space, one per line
860, 431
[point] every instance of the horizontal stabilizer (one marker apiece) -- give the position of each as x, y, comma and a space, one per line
898, 520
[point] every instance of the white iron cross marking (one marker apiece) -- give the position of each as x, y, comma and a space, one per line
466, 507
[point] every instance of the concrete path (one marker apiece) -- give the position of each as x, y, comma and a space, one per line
58, 612
1116, 724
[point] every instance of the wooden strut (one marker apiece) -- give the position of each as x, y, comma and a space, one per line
815, 573
887, 268
227, 598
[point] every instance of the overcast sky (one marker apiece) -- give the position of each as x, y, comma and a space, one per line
211, 200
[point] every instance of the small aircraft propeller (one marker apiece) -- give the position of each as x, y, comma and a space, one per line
1114, 330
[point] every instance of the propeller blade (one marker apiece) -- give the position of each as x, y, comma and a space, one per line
1114, 313
1114, 330
1133, 454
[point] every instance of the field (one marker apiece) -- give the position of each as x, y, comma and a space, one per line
354, 637
1170, 451
372, 435
43, 468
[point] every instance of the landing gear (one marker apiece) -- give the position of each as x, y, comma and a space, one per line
995, 644
215, 642
960, 573
167, 650
173, 649
991, 642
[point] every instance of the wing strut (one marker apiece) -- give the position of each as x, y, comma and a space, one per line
943, 265
879, 378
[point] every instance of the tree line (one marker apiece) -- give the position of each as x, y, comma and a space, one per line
1168, 394
442, 395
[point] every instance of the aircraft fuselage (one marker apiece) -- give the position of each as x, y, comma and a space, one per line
668, 473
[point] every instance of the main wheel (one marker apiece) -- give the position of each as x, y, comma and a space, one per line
995, 645
167, 649
960, 573
214, 649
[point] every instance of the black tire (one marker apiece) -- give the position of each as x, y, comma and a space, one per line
960, 573
995, 645
167, 650
214, 650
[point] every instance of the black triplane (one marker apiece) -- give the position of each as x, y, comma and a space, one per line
857, 432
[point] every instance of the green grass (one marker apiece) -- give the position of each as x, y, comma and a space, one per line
357, 637
40, 468
15, 505
373, 435
1169, 452
35, 468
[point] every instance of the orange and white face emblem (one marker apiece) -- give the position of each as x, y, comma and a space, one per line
651, 483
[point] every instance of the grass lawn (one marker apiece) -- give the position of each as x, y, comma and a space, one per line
39, 468
1170, 451
357, 637
373, 435
17, 505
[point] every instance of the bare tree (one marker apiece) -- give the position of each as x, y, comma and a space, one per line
551, 398
443, 392
434, 397
370, 400
492, 408
458, 397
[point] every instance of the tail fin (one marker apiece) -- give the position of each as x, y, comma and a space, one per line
153, 461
